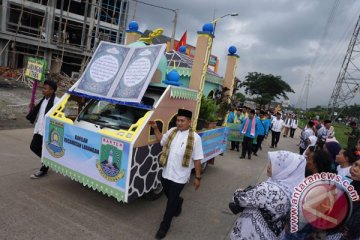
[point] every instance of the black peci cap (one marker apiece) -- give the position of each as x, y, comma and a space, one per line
185, 113
52, 84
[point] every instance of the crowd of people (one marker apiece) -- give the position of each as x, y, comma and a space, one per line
263, 210
256, 126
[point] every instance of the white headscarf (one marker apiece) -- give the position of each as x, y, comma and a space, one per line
287, 169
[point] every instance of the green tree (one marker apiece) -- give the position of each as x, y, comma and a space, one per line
265, 87
239, 97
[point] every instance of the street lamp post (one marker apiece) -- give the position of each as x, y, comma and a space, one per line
175, 11
173, 31
216, 20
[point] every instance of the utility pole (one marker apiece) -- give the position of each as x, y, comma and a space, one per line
299, 101
175, 11
348, 81
307, 90
304, 93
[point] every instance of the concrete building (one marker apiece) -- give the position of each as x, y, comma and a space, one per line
64, 32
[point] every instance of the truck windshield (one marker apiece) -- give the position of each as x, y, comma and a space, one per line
110, 115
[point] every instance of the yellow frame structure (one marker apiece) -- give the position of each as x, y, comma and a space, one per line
126, 135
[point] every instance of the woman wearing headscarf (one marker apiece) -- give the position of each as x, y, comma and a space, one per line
266, 205
333, 148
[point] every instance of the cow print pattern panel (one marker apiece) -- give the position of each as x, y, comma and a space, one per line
145, 172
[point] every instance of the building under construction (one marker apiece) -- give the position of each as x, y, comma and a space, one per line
64, 32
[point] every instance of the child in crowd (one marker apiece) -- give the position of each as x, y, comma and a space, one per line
345, 159
317, 162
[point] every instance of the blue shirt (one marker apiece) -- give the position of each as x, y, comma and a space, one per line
263, 126
231, 117
247, 134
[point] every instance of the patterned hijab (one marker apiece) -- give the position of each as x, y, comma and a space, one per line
288, 169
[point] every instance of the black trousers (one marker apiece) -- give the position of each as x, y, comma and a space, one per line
292, 132
172, 191
36, 147
247, 146
235, 145
275, 137
259, 140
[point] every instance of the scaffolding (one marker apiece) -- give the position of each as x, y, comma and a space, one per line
64, 32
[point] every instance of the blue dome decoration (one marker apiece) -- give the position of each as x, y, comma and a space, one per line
232, 50
182, 49
208, 27
173, 78
133, 26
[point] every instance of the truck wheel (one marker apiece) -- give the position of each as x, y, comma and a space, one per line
204, 166
155, 193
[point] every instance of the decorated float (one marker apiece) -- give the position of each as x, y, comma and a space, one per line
98, 133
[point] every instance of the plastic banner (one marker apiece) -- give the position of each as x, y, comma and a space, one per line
95, 160
214, 142
234, 132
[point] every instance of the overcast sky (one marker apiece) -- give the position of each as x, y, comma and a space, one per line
289, 38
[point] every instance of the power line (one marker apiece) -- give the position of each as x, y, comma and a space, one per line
306, 86
348, 81
325, 32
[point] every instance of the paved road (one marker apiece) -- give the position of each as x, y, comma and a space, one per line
57, 208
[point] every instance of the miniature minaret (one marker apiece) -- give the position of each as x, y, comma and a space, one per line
200, 64
110, 159
231, 66
132, 34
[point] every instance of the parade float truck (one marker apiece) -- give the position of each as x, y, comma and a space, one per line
98, 133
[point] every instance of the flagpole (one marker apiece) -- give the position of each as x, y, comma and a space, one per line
175, 11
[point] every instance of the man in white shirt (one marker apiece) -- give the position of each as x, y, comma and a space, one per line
277, 125
182, 149
39, 111
304, 137
326, 130
288, 123
293, 127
